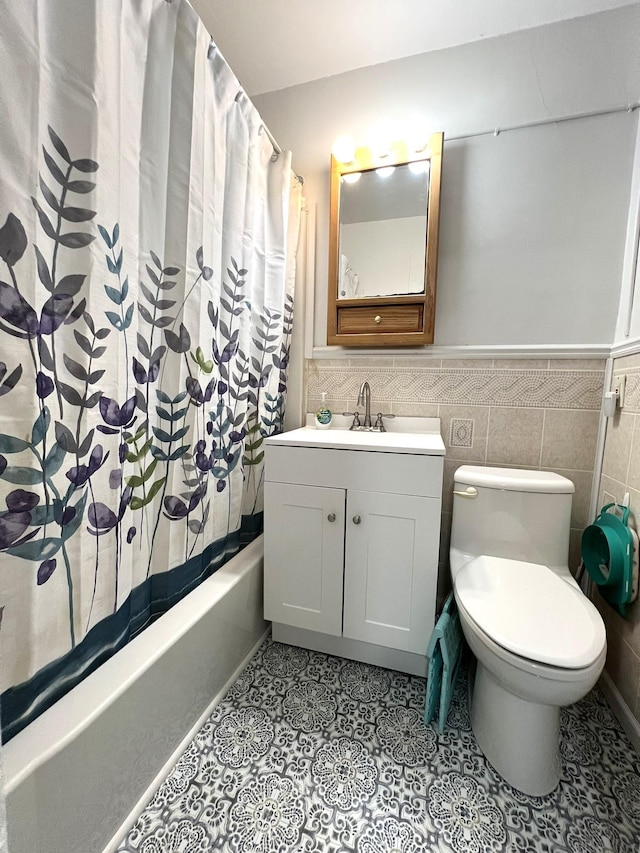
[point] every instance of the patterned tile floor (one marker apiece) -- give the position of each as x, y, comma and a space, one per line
315, 754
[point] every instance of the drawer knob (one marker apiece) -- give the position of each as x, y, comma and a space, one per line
377, 319
356, 519
331, 517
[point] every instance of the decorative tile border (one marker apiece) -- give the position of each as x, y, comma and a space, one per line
560, 389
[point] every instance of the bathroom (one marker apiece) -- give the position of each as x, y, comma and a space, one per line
525, 339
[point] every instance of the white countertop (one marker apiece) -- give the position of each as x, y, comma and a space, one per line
404, 435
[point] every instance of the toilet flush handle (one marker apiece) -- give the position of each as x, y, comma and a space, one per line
469, 492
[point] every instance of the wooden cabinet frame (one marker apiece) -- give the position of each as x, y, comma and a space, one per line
385, 321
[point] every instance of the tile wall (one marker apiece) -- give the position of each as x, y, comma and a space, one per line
620, 474
510, 412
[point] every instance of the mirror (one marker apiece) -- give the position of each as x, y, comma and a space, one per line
387, 210
383, 247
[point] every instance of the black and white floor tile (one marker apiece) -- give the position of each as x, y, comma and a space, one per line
315, 754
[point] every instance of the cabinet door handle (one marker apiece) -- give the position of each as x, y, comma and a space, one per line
469, 492
331, 517
356, 519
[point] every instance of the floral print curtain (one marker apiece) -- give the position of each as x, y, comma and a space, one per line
147, 236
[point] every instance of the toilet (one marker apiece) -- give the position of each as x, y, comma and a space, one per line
539, 642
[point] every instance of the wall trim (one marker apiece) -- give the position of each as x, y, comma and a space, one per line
620, 709
444, 352
600, 445
629, 347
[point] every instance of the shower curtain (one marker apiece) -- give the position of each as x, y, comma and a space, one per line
3, 813
147, 243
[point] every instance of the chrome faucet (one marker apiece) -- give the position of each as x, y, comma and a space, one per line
364, 399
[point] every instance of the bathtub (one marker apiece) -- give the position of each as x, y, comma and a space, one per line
78, 776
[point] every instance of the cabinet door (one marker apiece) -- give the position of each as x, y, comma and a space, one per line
391, 569
304, 556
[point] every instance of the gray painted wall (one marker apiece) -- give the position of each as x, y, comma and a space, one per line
533, 221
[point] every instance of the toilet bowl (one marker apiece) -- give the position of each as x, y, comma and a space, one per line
540, 644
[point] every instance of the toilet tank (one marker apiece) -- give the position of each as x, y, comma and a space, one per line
516, 514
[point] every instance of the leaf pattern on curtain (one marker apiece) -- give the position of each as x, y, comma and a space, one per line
150, 397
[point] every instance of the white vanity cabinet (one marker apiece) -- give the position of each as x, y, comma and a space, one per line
351, 544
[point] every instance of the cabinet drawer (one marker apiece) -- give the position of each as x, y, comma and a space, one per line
380, 318
393, 473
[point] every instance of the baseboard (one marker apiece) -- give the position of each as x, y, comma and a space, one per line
345, 647
139, 807
621, 710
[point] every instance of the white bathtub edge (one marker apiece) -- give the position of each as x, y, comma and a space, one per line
164, 771
76, 799
22, 755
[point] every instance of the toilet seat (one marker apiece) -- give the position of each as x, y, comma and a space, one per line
531, 612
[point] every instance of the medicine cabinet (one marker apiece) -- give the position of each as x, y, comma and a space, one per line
383, 246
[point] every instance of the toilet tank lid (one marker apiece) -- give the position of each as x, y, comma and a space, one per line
514, 479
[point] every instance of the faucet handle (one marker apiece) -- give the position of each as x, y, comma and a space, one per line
379, 425
356, 419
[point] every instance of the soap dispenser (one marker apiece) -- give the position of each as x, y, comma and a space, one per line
323, 416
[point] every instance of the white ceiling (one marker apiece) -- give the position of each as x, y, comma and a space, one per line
274, 44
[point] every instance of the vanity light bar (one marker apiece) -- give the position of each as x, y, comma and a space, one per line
345, 151
365, 157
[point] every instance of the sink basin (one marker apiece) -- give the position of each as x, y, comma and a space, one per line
404, 435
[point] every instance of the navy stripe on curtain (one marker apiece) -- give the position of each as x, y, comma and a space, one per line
24, 702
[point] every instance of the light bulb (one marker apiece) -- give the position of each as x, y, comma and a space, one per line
418, 135
385, 171
382, 138
344, 149
352, 177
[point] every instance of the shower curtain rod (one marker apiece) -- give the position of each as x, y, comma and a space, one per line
496, 131
278, 150
272, 139
213, 48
